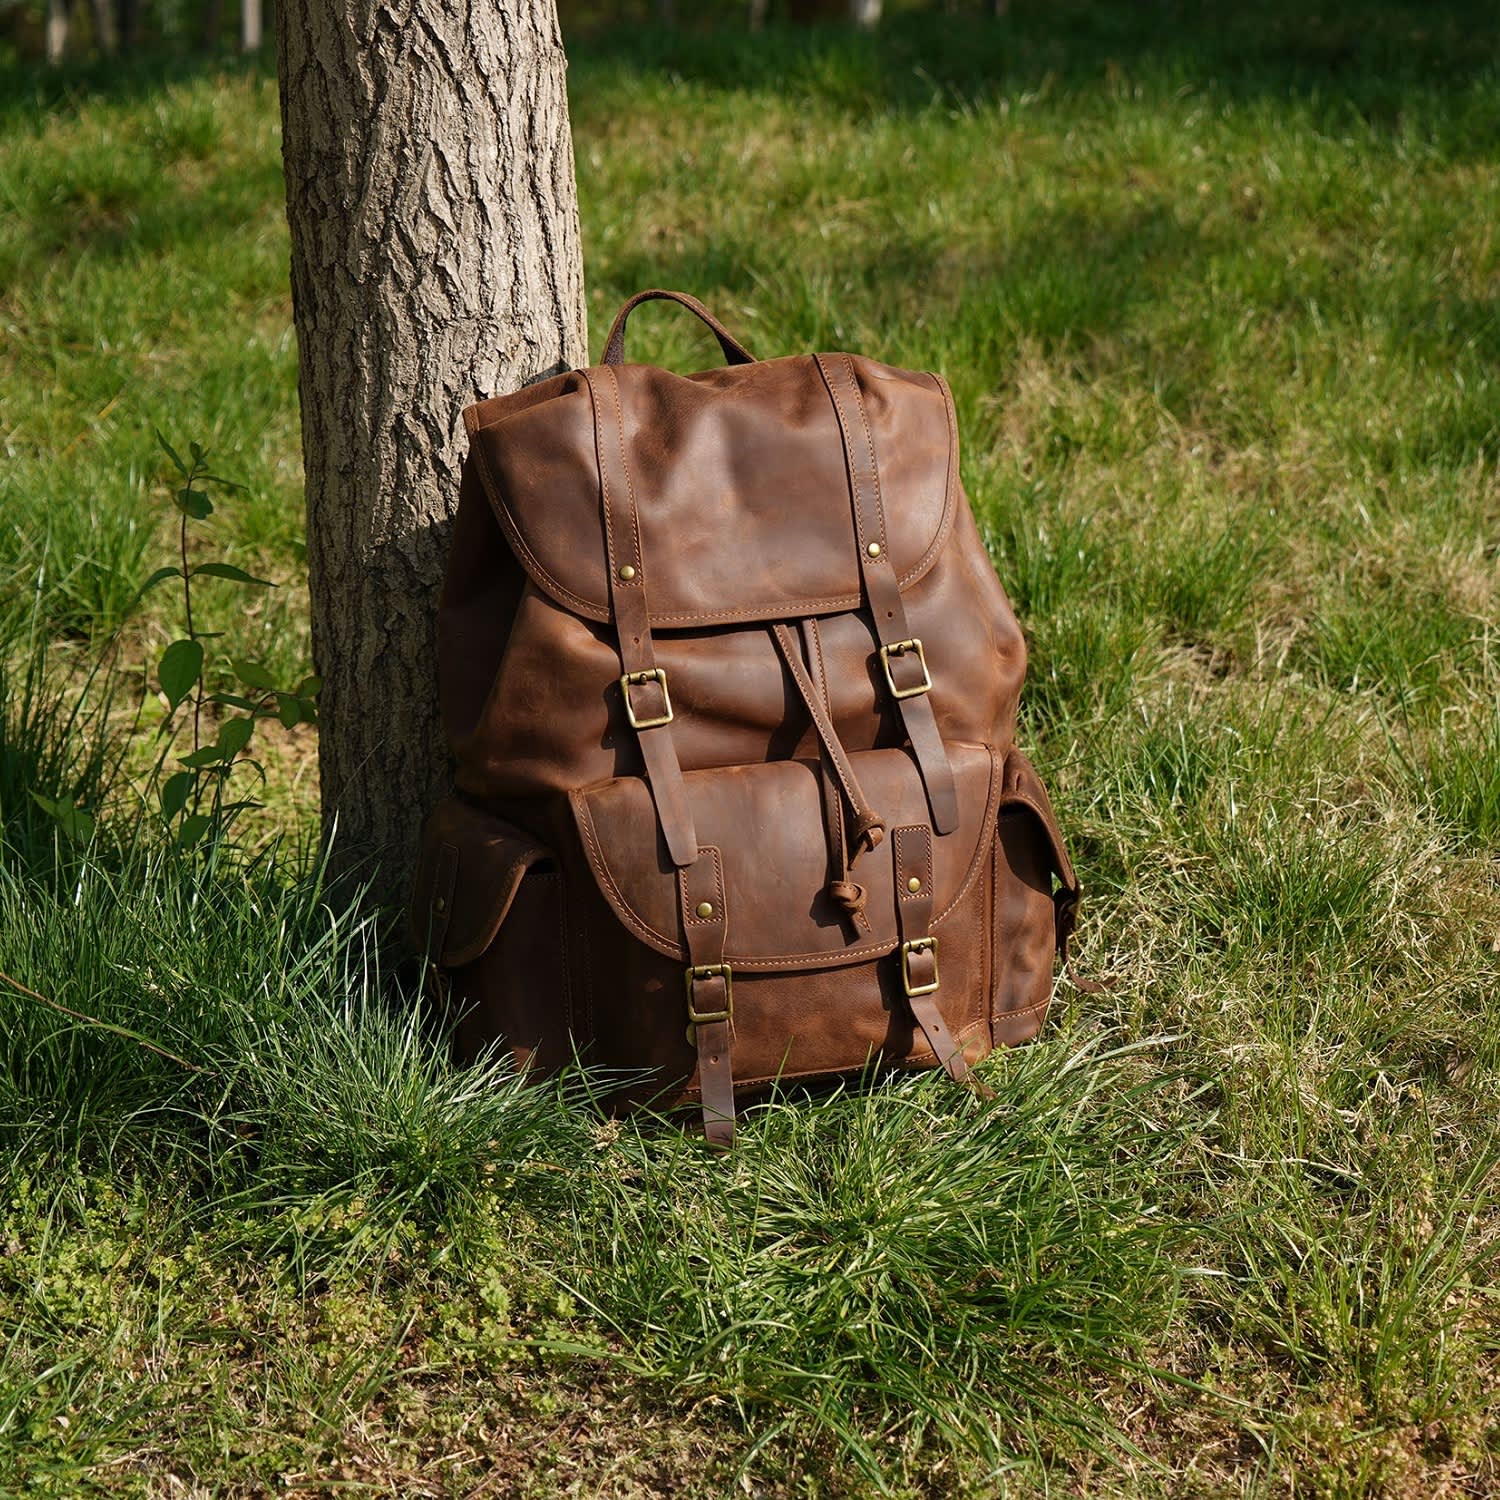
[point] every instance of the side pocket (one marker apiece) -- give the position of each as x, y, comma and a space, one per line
487, 909
1029, 859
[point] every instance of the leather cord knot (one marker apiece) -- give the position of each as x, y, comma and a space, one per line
869, 831
849, 896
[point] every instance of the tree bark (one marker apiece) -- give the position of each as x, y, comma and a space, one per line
865, 13
250, 25
435, 259
57, 29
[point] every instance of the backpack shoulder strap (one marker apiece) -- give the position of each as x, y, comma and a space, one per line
903, 660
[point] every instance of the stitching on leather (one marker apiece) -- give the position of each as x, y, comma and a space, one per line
1001, 1015
1059, 853
855, 488
592, 610
799, 674
858, 403
722, 906
609, 527
605, 877
635, 515
517, 540
816, 637
828, 958
916, 1059
950, 486
838, 411
987, 832
912, 833
655, 939
795, 609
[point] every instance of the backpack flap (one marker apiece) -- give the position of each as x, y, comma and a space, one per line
1023, 795
748, 513
766, 821
470, 867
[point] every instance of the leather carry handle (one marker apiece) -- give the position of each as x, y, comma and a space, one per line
735, 353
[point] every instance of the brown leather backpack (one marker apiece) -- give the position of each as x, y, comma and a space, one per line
731, 687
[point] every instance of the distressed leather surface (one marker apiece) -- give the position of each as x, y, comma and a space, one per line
798, 872
766, 821
723, 458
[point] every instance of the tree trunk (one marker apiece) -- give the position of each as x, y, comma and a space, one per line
106, 38
865, 13
250, 25
666, 12
435, 259
211, 24
758, 9
57, 29
128, 18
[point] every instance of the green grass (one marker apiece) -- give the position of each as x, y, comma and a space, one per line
1216, 295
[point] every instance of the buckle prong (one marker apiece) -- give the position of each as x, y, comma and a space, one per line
913, 646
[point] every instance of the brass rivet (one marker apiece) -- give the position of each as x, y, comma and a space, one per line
873, 549
440, 905
705, 908
914, 884
626, 573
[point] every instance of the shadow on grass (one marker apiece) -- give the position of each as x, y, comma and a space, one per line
1381, 61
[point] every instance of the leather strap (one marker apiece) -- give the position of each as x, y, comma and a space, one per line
843, 890
648, 698
869, 826
918, 954
883, 591
735, 353
1065, 907
700, 892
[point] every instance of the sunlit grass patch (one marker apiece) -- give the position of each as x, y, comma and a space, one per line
1214, 292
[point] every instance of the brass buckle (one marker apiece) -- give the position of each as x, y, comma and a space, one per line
709, 971
918, 945
651, 674
900, 648
696, 1017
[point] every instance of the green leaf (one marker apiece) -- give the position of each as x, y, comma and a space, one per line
181, 664
209, 755
75, 824
289, 709
233, 700
170, 451
196, 449
193, 828
234, 736
159, 576
193, 504
222, 482
228, 570
309, 687
175, 792
252, 674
